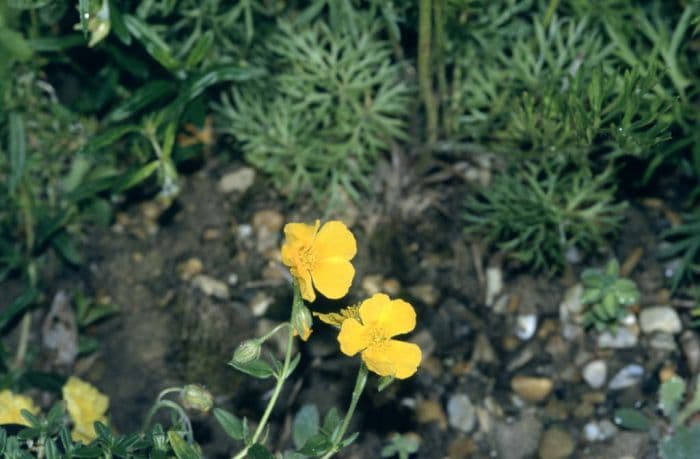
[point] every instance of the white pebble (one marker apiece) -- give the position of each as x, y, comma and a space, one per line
627, 377
595, 373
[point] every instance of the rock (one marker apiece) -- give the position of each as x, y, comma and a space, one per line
570, 310
531, 388
429, 411
494, 284
626, 377
460, 413
211, 286
691, 350
461, 448
483, 350
556, 444
427, 293
424, 339
625, 337
372, 283
518, 440
190, 268
267, 225
663, 342
260, 303
595, 373
599, 431
525, 326
239, 180
660, 318
391, 286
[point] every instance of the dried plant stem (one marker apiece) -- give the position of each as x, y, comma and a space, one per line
425, 68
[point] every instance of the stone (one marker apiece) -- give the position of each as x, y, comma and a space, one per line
517, 440
460, 413
663, 342
556, 444
429, 411
190, 268
628, 376
691, 350
267, 225
211, 287
494, 284
260, 303
599, 431
461, 448
624, 338
372, 283
525, 326
531, 388
239, 180
427, 293
595, 373
660, 318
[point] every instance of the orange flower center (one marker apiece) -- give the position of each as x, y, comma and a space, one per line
307, 258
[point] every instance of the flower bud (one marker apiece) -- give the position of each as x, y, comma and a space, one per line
302, 322
196, 397
247, 351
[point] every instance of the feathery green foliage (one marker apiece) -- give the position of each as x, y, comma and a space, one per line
334, 103
539, 212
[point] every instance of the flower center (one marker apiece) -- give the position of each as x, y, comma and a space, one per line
376, 335
307, 258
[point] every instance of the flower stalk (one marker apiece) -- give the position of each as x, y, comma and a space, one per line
360, 383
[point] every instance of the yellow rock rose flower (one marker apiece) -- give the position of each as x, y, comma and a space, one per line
320, 258
85, 405
11, 406
381, 319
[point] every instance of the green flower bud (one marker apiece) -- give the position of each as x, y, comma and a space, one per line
302, 322
196, 397
247, 351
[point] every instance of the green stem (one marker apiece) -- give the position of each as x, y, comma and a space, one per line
175, 407
360, 383
440, 19
425, 68
281, 378
23, 339
551, 9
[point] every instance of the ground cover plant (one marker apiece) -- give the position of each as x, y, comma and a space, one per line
293, 187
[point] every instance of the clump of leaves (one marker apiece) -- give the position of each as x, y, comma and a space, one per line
607, 296
540, 212
337, 101
401, 445
684, 242
682, 441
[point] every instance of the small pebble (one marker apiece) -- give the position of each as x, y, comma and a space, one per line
660, 318
526, 325
239, 180
556, 444
626, 377
427, 293
595, 373
625, 337
494, 284
663, 342
531, 388
691, 350
429, 411
461, 413
190, 268
260, 303
211, 287
599, 431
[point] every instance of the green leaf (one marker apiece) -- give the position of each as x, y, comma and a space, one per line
331, 421
134, 178
306, 425
14, 44
56, 44
349, 439
63, 244
118, 25
293, 365
592, 278
181, 448
140, 99
200, 49
684, 444
670, 396
22, 304
255, 368
17, 149
51, 450
632, 419
258, 451
34, 421
154, 45
230, 423
316, 445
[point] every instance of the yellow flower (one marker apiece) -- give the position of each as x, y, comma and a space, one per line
85, 405
320, 258
381, 319
11, 406
337, 318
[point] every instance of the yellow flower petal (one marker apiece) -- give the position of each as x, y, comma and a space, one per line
352, 337
333, 277
334, 240
296, 233
11, 406
85, 405
395, 317
337, 318
303, 278
393, 358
